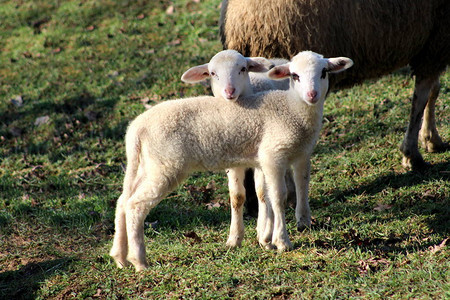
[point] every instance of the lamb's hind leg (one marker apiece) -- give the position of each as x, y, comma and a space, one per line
147, 196
411, 155
237, 198
119, 249
428, 134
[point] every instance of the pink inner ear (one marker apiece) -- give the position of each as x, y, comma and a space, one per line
279, 72
336, 65
195, 74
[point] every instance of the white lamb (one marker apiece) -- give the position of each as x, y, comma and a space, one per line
233, 75
269, 131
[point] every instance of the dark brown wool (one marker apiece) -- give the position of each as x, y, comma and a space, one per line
379, 35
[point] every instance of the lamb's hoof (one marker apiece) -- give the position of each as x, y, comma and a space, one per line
234, 243
122, 263
283, 246
266, 243
140, 267
120, 260
266, 246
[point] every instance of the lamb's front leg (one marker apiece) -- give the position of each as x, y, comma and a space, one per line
277, 192
237, 198
301, 178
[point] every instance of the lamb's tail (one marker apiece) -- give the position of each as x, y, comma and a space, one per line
133, 150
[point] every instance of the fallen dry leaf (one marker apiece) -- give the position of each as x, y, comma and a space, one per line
437, 248
382, 207
213, 205
174, 42
98, 294
41, 120
145, 100
372, 264
170, 10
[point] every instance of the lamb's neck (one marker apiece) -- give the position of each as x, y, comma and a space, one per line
311, 114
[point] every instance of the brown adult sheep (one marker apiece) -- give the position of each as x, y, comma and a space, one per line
379, 35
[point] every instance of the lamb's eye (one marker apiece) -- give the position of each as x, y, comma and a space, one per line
213, 73
244, 69
324, 73
295, 77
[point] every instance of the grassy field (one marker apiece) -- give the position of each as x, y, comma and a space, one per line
74, 73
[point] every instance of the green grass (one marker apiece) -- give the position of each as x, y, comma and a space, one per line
90, 66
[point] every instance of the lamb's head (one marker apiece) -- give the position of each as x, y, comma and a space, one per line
309, 74
228, 71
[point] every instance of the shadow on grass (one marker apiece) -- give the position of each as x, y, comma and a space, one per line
96, 213
25, 282
432, 204
68, 114
173, 216
395, 181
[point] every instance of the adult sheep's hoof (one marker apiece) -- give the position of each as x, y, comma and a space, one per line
303, 224
416, 165
412, 159
432, 142
436, 148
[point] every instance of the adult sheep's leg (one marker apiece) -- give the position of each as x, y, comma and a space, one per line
428, 134
264, 227
412, 157
277, 192
147, 196
119, 249
237, 198
301, 178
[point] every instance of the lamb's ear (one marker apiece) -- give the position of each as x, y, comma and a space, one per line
338, 64
258, 64
279, 72
196, 74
